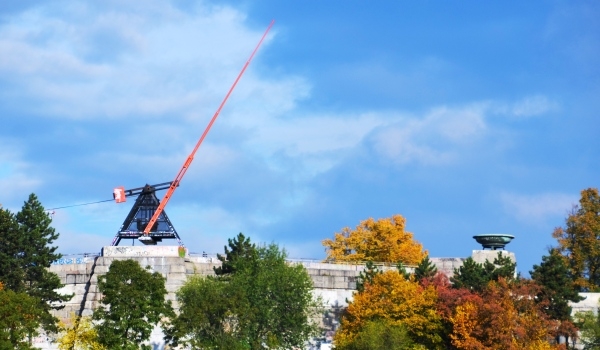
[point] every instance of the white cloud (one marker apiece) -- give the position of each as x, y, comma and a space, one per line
533, 106
537, 208
435, 138
83, 62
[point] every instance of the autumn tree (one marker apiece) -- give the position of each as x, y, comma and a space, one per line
397, 300
133, 303
579, 241
448, 298
79, 334
384, 240
504, 317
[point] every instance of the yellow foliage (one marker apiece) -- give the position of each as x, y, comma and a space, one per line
464, 324
384, 240
391, 297
80, 335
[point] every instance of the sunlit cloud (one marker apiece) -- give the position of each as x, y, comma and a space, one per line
538, 208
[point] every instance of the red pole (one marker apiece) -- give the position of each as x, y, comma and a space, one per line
190, 158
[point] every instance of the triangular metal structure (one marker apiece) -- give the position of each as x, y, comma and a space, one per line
144, 207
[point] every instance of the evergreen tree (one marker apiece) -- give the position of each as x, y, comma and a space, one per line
476, 277
133, 303
366, 276
471, 275
11, 273
26, 253
502, 266
557, 290
557, 285
239, 248
425, 269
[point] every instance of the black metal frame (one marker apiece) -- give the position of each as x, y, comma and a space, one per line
140, 214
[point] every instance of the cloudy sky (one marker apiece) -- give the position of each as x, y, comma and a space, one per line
465, 117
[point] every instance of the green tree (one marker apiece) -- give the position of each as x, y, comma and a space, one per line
425, 269
240, 248
265, 302
475, 276
133, 303
557, 290
471, 275
366, 276
19, 319
205, 317
380, 334
26, 253
579, 241
589, 326
11, 273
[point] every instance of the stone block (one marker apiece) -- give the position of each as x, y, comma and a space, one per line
179, 268
173, 278
101, 270
480, 256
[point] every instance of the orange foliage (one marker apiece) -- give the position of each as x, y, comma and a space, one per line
393, 298
506, 317
383, 240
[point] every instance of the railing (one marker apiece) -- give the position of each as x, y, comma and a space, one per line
82, 258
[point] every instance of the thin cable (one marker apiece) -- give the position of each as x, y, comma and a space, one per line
78, 205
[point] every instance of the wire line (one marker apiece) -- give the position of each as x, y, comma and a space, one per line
78, 205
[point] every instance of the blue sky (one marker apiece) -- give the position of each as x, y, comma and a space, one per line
465, 117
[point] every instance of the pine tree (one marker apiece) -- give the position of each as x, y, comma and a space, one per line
470, 275
557, 290
366, 276
26, 253
425, 269
11, 273
476, 277
239, 248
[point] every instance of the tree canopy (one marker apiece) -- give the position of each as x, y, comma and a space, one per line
256, 301
20, 317
402, 302
579, 241
26, 253
384, 240
475, 276
504, 316
133, 303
